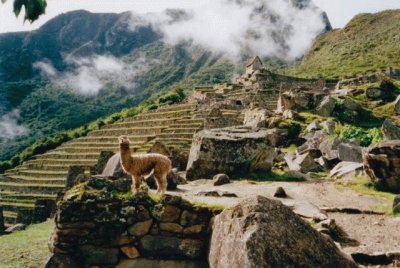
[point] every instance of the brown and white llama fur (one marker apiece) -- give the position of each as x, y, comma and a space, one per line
141, 165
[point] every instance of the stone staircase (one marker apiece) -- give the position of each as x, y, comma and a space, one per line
44, 176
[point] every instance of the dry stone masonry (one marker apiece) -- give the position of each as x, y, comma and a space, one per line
97, 225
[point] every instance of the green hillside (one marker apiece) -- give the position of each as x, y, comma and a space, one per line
45, 108
368, 42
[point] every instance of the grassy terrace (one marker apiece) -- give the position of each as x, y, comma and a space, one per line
16, 252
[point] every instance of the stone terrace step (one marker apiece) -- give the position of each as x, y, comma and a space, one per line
176, 107
190, 121
111, 139
82, 149
10, 218
167, 136
69, 162
42, 173
31, 179
162, 114
64, 155
14, 207
127, 131
145, 123
16, 195
180, 130
31, 188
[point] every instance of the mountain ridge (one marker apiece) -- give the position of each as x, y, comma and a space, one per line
367, 43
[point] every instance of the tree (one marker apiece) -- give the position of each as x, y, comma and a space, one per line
33, 8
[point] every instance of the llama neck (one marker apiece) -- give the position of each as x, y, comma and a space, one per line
125, 153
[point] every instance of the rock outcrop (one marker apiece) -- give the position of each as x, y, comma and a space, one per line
382, 164
260, 232
98, 225
350, 152
347, 170
391, 130
326, 107
234, 151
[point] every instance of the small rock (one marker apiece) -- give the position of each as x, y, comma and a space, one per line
329, 127
374, 93
280, 192
326, 107
15, 228
303, 163
195, 229
313, 126
188, 218
209, 193
290, 114
131, 252
228, 194
390, 130
171, 227
166, 214
221, 179
140, 228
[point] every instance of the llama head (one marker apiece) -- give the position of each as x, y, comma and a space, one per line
123, 139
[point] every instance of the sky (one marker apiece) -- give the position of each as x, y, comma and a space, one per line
339, 11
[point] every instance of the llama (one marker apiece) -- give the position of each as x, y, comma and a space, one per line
141, 165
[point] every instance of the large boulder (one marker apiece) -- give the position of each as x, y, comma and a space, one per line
256, 117
347, 170
234, 151
350, 152
259, 232
304, 163
382, 164
391, 130
326, 107
301, 99
113, 168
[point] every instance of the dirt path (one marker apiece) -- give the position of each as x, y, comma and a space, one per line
375, 233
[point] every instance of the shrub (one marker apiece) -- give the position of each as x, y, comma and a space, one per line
365, 136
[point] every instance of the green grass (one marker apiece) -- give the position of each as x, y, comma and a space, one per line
367, 43
363, 186
26, 248
290, 149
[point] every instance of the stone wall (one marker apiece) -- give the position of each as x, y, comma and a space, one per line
96, 225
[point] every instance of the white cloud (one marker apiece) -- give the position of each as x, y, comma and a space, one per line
9, 127
89, 75
339, 11
268, 28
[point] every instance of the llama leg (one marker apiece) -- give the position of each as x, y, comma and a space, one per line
136, 180
164, 183
161, 180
